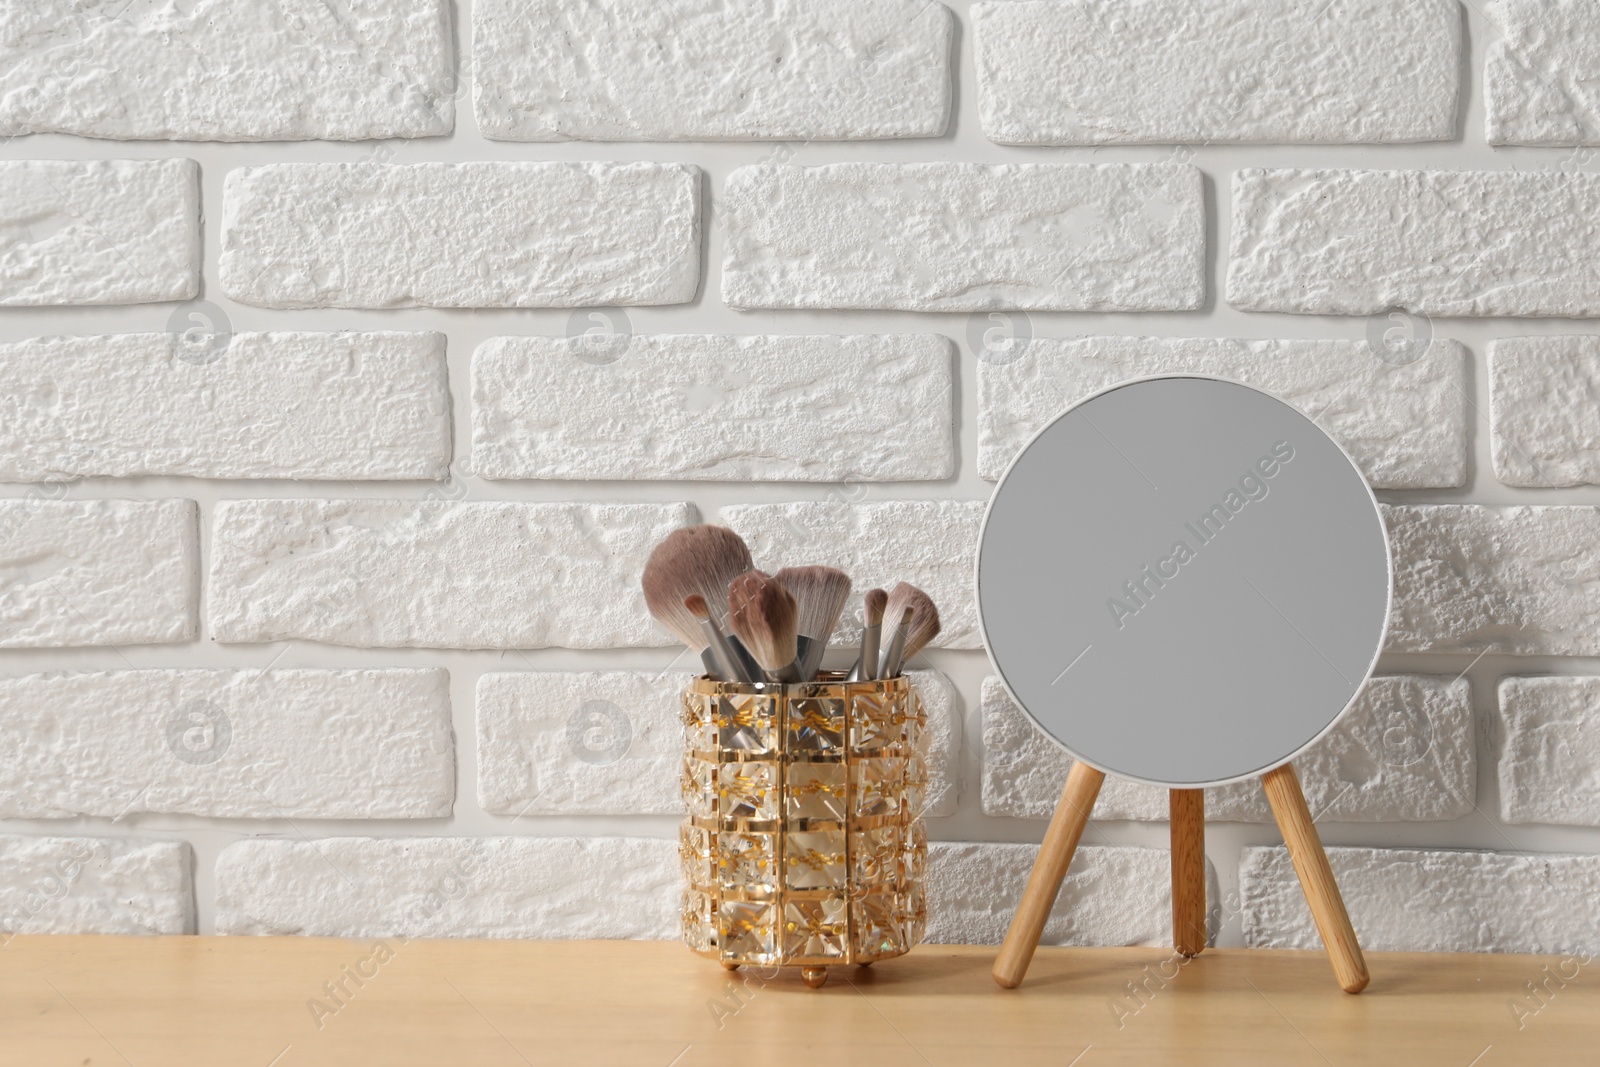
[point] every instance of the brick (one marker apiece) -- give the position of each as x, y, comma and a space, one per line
1516, 580
581, 742
1405, 423
1322, 242
1544, 428
274, 744
1538, 81
526, 887
965, 237
1410, 900
1282, 71
373, 235
1549, 754
1112, 895
228, 72
97, 572
638, 70
93, 885
409, 574
611, 742
804, 409
259, 405
1405, 753
104, 231
929, 543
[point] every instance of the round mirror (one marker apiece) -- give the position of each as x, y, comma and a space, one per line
1183, 581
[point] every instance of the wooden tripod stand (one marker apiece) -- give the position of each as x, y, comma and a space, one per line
1188, 874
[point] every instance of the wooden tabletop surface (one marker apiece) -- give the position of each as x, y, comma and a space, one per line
215, 1001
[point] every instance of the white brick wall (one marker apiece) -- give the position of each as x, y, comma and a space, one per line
1546, 425
1410, 900
97, 572
93, 885
1405, 424
943, 237
398, 574
1323, 242
305, 744
640, 70
259, 405
689, 408
336, 455
1547, 736
551, 887
110, 231
228, 72
1479, 579
1086, 72
1535, 83
368, 235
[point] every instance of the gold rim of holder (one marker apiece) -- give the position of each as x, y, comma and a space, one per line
843, 762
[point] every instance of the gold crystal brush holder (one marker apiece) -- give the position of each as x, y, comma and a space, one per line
804, 844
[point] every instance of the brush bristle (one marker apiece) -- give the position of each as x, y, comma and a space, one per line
761, 612
819, 596
697, 606
923, 626
876, 601
695, 560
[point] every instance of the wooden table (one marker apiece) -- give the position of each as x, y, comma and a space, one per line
254, 1001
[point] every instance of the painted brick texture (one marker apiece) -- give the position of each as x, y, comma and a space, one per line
1320, 242
276, 744
461, 234
1405, 423
641, 70
715, 408
228, 72
960, 237
109, 231
357, 406
330, 460
97, 572
1088, 72
400, 574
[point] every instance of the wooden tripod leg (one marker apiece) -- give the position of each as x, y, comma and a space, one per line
1316, 877
1049, 870
1187, 810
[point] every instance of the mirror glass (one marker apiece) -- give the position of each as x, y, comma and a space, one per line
1183, 581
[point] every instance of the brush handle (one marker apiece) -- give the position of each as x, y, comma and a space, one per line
715, 669
866, 668
788, 674
893, 656
749, 669
809, 656
718, 655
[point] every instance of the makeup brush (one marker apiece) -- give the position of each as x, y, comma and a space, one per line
866, 667
761, 612
728, 665
819, 596
891, 657
694, 560
919, 624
